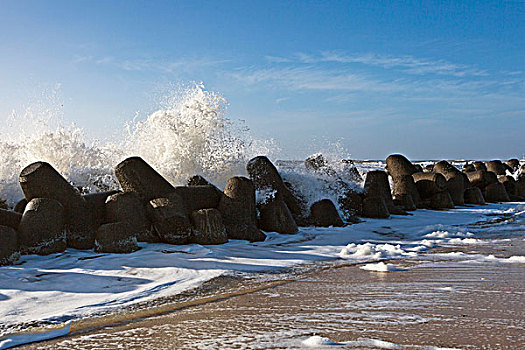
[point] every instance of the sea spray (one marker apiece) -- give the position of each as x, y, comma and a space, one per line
192, 135
189, 135
330, 184
39, 134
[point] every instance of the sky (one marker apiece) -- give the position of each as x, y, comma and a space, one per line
429, 79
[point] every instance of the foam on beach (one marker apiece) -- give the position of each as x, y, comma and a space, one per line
381, 267
364, 343
374, 251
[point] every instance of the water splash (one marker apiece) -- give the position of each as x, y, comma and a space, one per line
189, 135
192, 135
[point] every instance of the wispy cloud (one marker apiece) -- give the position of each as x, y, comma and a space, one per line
406, 63
281, 99
311, 78
80, 59
150, 64
277, 59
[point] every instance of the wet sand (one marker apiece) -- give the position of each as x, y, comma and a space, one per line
435, 302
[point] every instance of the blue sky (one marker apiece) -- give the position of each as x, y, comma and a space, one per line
430, 79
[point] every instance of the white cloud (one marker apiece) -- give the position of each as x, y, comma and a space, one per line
150, 64
276, 59
406, 63
311, 78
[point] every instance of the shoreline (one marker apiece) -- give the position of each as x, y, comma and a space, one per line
378, 306
234, 285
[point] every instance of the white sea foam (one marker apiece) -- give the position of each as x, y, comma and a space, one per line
381, 267
464, 241
516, 259
316, 341
322, 342
373, 251
447, 234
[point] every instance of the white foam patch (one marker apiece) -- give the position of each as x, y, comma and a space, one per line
464, 241
316, 341
447, 234
511, 260
321, 342
373, 251
516, 259
381, 267
480, 259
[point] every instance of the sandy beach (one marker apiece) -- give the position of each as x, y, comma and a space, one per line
434, 303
